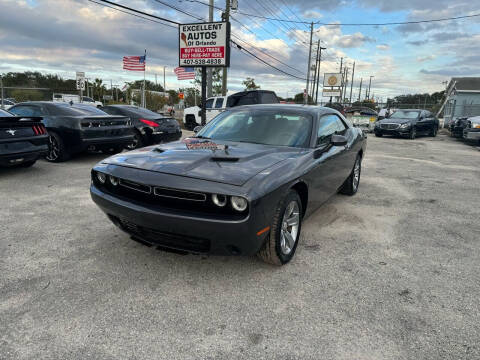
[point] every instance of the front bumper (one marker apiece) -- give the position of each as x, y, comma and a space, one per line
471, 134
165, 136
182, 231
395, 132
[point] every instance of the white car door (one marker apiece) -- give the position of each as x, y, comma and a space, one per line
217, 108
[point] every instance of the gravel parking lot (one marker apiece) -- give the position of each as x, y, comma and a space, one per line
391, 273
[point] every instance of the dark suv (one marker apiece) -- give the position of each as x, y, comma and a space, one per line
408, 123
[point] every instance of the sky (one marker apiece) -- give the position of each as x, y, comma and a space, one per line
65, 36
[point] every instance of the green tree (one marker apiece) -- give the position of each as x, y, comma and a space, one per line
249, 84
298, 98
217, 74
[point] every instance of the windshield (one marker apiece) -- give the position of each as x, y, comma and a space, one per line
270, 127
4, 113
404, 114
142, 112
89, 109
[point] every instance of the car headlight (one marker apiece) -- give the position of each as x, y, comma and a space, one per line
239, 203
476, 126
405, 125
101, 177
113, 180
219, 200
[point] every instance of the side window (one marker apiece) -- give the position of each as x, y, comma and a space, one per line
219, 103
268, 98
329, 124
248, 99
209, 103
24, 111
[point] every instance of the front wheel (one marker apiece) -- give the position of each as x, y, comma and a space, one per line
350, 186
137, 141
413, 134
281, 243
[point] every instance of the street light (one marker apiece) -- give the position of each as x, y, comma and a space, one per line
369, 85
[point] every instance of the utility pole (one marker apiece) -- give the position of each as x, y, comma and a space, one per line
315, 74
164, 84
305, 101
341, 67
226, 18
360, 91
318, 72
2, 105
156, 83
344, 84
369, 85
351, 84
209, 70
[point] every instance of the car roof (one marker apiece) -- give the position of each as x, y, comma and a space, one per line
312, 109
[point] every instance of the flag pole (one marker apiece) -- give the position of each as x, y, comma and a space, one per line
144, 102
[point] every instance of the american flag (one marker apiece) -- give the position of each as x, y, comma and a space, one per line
134, 63
185, 73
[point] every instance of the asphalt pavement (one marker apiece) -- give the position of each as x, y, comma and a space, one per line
391, 273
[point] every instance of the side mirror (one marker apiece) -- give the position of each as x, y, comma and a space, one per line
196, 129
338, 140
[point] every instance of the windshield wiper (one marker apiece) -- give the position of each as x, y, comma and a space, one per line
201, 137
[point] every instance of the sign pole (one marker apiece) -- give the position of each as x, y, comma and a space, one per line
204, 95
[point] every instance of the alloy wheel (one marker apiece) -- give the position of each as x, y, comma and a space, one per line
134, 144
290, 226
356, 174
53, 149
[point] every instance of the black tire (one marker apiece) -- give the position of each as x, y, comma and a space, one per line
27, 164
137, 141
413, 134
378, 134
272, 251
56, 148
113, 150
190, 122
434, 131
350, 186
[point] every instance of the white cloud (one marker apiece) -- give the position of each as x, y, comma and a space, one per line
425, 58
383, 47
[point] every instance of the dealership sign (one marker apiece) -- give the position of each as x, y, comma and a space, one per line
330, 92
332, 79
204, 44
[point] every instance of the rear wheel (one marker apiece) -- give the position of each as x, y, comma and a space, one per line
280, 245
56, 148
350, 186
137, 141
434, 131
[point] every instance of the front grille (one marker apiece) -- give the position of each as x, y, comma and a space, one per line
389, 126
160, 238
188, 203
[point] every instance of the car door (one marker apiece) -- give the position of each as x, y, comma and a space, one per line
331, 164
429, 121
422, 122
216, 108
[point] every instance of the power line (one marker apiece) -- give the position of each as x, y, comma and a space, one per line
266, 63
179, 10
129, 13
139, 11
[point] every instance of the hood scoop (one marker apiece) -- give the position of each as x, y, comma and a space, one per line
158, 150
224, 159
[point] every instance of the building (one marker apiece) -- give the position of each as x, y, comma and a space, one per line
463, 98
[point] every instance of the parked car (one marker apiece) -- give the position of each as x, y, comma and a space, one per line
75, 99
7, 104
457, 125
408, 123
217, 104
242, 185
471, 132
150, 127
73, 129
22, 140
362, 117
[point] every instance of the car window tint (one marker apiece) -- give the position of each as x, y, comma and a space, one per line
219, 103
64, 110
268, 98
5, 113
329, 125
209, 103
25, 110
89, 109
249, 99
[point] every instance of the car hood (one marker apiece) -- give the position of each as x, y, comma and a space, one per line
395, 121
234, 165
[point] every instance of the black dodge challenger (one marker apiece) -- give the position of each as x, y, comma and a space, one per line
242, 185
22, 140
